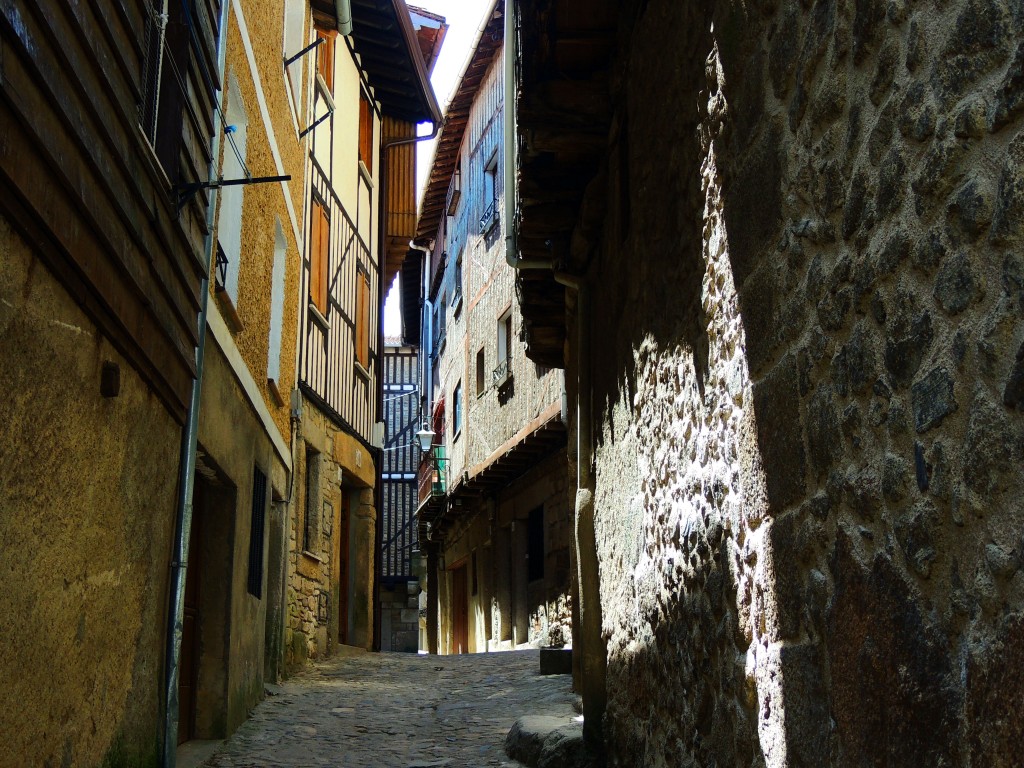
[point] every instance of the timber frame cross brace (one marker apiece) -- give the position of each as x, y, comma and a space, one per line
187, 191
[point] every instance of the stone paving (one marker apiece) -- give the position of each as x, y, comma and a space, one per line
392, 710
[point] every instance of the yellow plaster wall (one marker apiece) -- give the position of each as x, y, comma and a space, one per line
263, 202
87, 499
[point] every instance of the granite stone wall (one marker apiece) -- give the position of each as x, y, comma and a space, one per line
807, 287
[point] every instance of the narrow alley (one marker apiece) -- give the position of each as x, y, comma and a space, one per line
397, 710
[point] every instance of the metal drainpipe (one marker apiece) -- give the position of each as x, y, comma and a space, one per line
593, 665
512, 148
378, 495
187, 464
344, 10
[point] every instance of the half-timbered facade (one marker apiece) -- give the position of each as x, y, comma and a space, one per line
399, 541
494, 515
106, 118
369, 91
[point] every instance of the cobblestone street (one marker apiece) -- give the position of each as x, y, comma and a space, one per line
395, 710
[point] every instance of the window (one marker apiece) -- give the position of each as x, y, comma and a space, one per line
457, 291
535, 545
276, 306
229, 219
325, 59
504, 368
366, 133
362, 329
256, 525
442, 319
489, 217
457, 410
480, 372
455, 191
311, 526
163, 106
294, 39
319, 250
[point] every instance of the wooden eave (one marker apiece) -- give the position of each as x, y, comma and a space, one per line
449, 141
389, 53
563, 114
537, 441
431, 38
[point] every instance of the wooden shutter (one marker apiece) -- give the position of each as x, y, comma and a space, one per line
320, 238
365, 132
325, 59
363, 320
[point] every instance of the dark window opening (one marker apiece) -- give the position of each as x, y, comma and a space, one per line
166, 75
311, 528
259, 503
480, 383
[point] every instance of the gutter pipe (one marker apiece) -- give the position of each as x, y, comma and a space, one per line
344, 10
510, 55
190, 437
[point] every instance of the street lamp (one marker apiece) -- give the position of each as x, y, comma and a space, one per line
426, 438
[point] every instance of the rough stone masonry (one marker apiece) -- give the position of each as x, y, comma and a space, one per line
809, 286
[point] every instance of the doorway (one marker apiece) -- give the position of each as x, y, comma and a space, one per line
188, 669
460, 611
342, 559
202, 681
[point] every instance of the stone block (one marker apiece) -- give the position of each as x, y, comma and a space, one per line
556, 661
779, 433
932, 399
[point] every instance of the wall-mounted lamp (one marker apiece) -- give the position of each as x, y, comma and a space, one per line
425, 437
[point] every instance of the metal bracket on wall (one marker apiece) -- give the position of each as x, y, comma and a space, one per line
292, 59
187, 191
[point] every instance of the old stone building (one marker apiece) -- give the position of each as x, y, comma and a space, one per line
494, 514
776, 247
101, 284
370, 91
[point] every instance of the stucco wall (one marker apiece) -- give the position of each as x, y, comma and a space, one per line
807, 386
86, 519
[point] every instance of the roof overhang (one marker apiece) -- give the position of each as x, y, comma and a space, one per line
449, 141
389, 52
412, 282
541, 438
563, 116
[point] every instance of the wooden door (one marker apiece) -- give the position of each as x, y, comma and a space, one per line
460, 611
189, 667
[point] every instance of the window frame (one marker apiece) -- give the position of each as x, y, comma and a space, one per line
365, 145
361, 328
319, 257
457, 408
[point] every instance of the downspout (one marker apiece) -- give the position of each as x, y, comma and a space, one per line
378, 491
511, 52
593, 665
344, 10
187, 463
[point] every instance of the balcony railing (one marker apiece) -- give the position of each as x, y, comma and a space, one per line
432, 475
